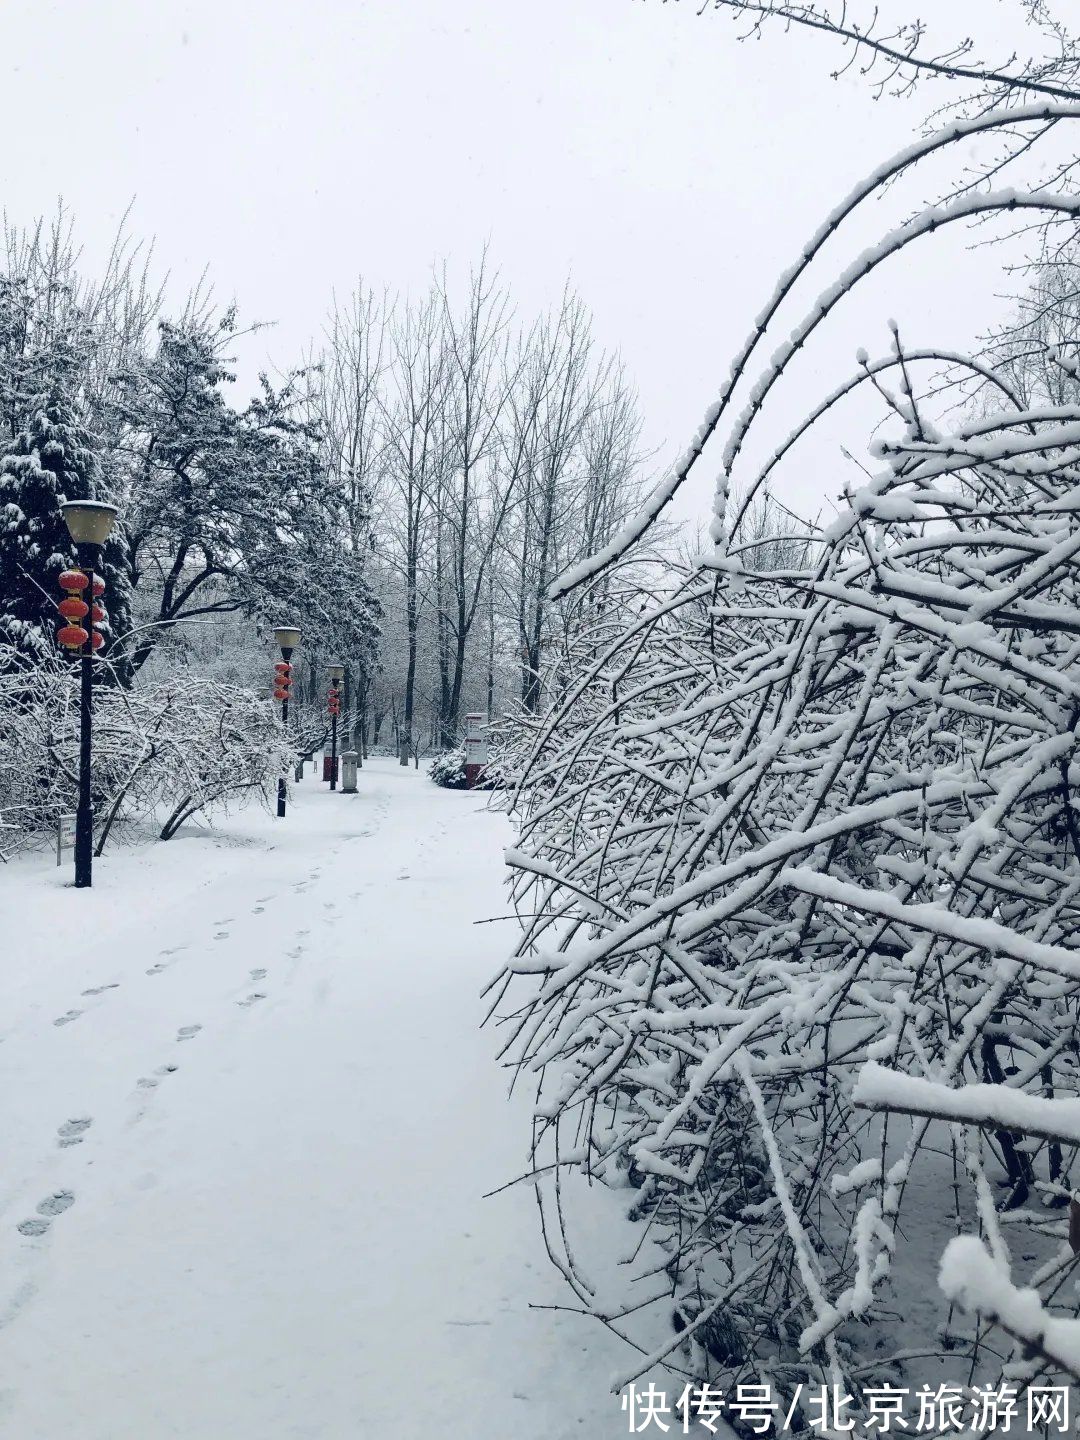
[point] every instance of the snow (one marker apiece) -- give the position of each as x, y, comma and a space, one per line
972, 1279
879, 1088
263, 1040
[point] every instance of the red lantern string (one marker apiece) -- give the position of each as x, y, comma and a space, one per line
72, 637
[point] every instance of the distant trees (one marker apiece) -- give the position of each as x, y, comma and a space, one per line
407, 493
490, 454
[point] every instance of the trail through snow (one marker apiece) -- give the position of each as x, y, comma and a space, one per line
248, 1119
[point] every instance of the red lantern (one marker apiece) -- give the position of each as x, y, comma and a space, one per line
96, 640
72, 637
97, 615
72, 608
283, 667
99, 587
72, 580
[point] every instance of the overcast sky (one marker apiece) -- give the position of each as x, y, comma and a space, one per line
630, 145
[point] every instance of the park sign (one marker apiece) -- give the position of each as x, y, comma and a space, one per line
65, 833
476, 748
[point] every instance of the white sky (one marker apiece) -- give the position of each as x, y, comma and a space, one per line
632, 146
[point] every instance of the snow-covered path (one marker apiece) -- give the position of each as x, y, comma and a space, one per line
251, 1057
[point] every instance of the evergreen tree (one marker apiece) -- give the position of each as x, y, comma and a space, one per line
53, 460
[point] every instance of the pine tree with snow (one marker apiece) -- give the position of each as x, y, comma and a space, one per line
53, 460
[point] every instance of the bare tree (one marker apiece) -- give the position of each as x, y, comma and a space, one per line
413, 416
474, 495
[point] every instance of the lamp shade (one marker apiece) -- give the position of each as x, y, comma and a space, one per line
287, 636
89, 522
337, 672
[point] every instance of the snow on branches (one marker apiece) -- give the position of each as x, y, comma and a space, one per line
799, 879
162, 752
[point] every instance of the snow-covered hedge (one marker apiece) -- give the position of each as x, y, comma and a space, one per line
800, 836
448, 769
163, 752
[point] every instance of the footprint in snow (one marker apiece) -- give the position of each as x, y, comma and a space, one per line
222, 935
48, 1208
68, 1018
258, 909
71, 1131
250, 1000
100, 989
258, 974
188, 1032
151, 1082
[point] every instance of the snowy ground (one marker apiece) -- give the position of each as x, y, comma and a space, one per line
251, 1056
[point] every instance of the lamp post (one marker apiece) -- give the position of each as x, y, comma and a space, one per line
334, 706
89, 524
287, 637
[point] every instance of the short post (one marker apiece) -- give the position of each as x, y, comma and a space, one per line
348, 772
476, 749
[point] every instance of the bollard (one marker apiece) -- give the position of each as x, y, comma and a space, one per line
348, 772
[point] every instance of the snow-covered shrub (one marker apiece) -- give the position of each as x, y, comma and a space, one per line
162, 752
448, 769
799, 872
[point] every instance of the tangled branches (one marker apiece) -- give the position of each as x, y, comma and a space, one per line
799, 879
165, 751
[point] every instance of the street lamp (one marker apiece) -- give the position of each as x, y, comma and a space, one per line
334, 706
287, 637
89, 524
